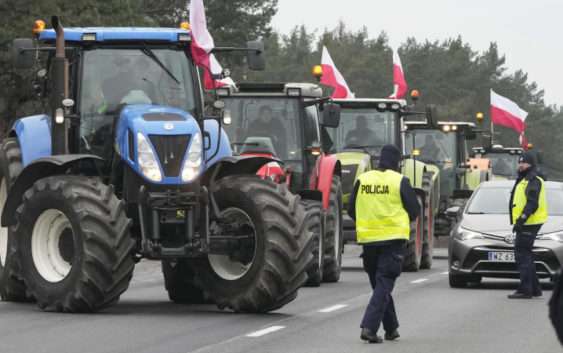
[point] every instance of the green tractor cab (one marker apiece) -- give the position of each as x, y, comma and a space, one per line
366, 125
444, 145
504, 160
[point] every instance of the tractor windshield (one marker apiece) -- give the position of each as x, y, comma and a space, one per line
267, 126
113, 77
436, 147
365, 129
504, 164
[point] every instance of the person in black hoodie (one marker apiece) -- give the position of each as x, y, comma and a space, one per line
383, 204
528, 212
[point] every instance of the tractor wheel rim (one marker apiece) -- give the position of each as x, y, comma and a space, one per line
224, 266
3, 230
51, 232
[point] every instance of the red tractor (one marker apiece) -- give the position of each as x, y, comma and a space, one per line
287, 121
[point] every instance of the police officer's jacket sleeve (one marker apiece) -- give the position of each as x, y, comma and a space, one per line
410, 202
352, 201
532, 196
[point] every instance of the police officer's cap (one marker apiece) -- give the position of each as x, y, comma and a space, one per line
527, 157
390, 157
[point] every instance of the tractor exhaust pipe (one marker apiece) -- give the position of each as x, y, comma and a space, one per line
59, 140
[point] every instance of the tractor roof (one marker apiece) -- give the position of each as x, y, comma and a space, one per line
498, 149
118, 34
272, 89
424, 124
368, 102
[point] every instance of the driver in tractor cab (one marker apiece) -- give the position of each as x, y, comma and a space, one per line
266, 126
125, 87
430, 150
362, 135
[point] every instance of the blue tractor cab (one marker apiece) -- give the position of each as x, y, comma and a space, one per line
124, 165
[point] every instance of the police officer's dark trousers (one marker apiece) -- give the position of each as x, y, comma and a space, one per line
524, 256
383, 265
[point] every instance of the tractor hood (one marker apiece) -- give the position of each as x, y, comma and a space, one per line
353, 164
165, 133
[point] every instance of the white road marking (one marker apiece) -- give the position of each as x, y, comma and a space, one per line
265, 331
445, 273
419, 280
333, 308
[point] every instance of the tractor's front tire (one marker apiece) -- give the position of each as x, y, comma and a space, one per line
277, 256
180, 284
316, 227
11, 288
74, 244
334, 234
413, 251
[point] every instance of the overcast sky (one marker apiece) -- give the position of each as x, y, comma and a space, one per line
528, 32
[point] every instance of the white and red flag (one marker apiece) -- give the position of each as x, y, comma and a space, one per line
202, 45
506, 113
333, 78
400, 86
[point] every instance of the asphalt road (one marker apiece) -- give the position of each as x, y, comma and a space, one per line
433, 317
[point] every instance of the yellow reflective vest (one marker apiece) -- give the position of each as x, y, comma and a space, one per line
519, 202
380, 214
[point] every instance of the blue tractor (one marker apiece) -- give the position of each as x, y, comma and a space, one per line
125, 166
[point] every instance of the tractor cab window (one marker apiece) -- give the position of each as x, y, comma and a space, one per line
504, 164
311, 126
365, 129
265, 126
112, 78
436, 147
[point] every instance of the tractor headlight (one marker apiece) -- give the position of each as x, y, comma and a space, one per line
147, 159
192, 164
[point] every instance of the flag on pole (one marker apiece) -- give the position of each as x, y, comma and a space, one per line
333, 78
506, 113
202, 45
400, 86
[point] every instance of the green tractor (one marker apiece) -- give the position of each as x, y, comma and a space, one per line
444, 145
366, 125
504, 160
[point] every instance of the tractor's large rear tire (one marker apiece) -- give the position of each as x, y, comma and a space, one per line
334, 234
74, 244
413, 251
316, 227
11, 288
179, 281
428, 233
277, 257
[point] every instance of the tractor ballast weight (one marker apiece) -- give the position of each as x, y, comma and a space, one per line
287, 121
135, 170
384, 119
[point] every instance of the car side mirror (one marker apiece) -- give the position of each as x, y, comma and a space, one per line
453, 211
22, 53
255, 56
331, 115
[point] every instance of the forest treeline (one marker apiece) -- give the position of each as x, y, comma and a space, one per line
448, 73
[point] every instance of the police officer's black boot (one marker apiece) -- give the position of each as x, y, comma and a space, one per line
370, 336
391, 336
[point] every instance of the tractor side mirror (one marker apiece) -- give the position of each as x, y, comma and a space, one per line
431, 115
470, 135
255, 56
22, 53
331, 115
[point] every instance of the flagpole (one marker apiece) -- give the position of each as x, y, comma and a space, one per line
492, 131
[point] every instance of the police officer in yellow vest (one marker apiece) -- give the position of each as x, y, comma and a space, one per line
383, 204
528, 212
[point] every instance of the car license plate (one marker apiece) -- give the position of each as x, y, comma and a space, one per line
501, 256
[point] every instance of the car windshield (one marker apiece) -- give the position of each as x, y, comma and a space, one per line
494, 200
265, 125
435, 146
504, 164
114, 77
364, 128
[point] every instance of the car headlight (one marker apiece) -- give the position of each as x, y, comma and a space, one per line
147, 159
466, 234
556, 236
192, 164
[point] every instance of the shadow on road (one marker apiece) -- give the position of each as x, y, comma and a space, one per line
487, 284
